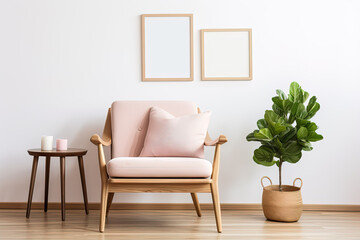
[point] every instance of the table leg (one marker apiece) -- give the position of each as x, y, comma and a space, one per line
62, 176
83, 182
47, 175
32, 182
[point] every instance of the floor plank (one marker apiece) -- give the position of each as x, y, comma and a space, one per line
175, 224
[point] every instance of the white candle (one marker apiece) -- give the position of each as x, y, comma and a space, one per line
46, 143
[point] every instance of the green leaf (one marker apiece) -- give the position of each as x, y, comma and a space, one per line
294, 108
281, 94
281, 107
305, 95
261, 123
292, 152
314, 137
264, 156
278, 143
276, 124
306, 145
293, 111
292, 147
307, 148
313, 111
293, 158
251, 137
271, 117
312, 127
278, 110
300, 99
300, 111
278, 102
287, 105
302, 133
311, 103
295, 91
297, 111
312, 107
302, 122
278, 128
278, 106
291, 133
264, 134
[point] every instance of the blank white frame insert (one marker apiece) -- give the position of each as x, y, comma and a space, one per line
226, 54
167, 47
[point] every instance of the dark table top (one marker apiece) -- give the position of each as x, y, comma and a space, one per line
54, 153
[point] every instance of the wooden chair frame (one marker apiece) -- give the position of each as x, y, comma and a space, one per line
109, 185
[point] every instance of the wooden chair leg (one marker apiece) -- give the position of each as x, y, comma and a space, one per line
104, 197
216, 203
109, 202
196, 204
31, 187
47, 175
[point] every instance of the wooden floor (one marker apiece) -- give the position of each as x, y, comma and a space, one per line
175, 224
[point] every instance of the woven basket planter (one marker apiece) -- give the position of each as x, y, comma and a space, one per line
282, 206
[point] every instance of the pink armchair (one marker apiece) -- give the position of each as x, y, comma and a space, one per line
125, 130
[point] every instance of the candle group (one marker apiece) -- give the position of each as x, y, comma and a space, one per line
46, 143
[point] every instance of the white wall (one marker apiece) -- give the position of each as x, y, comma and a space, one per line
62, 63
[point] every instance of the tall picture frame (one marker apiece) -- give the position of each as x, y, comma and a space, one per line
167, 47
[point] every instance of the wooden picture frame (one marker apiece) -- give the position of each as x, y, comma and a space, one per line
226, 54
167, 47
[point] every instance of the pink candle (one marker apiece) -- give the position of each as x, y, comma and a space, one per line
61, 144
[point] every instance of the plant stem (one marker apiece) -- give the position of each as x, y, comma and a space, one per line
280, 165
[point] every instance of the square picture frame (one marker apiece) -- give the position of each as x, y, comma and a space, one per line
226, 54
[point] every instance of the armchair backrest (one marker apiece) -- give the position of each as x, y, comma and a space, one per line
130, 119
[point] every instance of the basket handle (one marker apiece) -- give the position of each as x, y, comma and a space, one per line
300, 181
262, 184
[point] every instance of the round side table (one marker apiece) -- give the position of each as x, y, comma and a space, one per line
71, 152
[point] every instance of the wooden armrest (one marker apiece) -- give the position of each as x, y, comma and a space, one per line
220, 140
106, 136
96, 139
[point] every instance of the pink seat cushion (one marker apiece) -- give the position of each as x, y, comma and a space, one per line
159, 167
130, 119
169, 136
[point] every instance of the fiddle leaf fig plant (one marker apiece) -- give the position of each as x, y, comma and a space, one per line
286, 130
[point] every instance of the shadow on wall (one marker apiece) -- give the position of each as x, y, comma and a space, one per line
78, 134
79, 137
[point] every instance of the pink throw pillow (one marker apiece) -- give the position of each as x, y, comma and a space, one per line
169, 136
